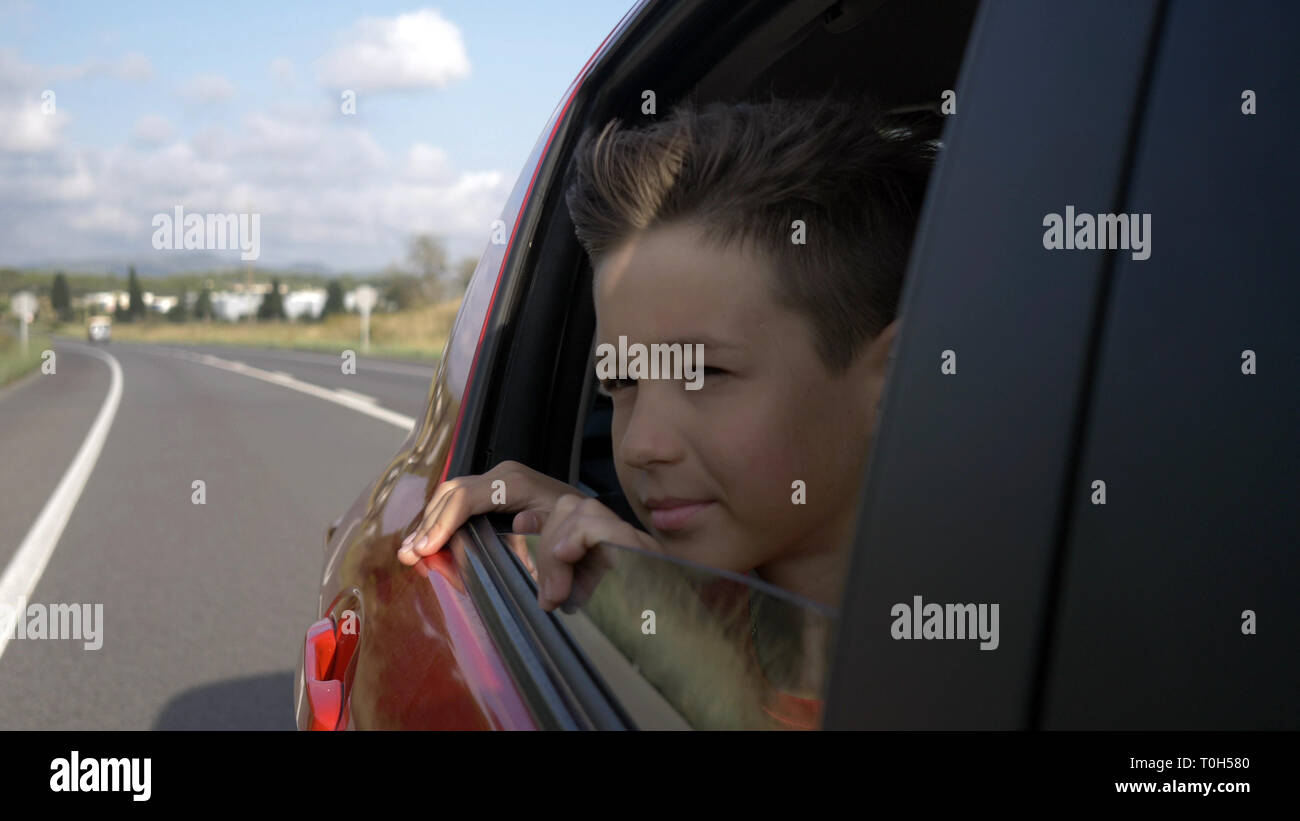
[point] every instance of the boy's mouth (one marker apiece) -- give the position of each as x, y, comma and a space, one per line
674, 514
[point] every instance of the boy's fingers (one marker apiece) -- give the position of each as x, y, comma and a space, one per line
576, 528
451, 506
554, 586
456, 508
590, 524
528, 521
587, 576
555, 577
427, 519
456, 500
480, 490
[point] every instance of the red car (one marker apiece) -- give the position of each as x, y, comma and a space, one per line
1076, 368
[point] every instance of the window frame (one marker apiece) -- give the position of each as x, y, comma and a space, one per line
559, 681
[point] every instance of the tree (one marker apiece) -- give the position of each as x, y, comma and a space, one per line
272, 306
136, 307
203, 305
60, 299
177, 312
428, 260
333, 299
404, 291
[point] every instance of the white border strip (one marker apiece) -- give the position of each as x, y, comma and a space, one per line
27, 565
366, 364
342, 396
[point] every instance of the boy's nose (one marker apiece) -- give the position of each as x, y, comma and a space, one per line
650, 436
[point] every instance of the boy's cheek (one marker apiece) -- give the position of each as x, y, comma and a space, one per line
772, 488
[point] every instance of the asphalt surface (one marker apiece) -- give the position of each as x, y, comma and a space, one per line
204, 606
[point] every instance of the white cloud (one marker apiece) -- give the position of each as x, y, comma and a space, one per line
16, 73
426, 162
152, 128
49, 179
208, 88
104, 218
325, 187
420, 50
27, 128
30, 117
282, 71
326, 190
133, 66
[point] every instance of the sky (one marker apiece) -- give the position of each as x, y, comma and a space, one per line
114, 112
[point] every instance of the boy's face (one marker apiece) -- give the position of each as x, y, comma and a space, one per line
711, 472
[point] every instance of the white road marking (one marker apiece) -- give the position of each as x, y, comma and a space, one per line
348, 399
358, 396
363, 364
423, 372
28, 563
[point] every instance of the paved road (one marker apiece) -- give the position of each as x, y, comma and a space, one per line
204, 606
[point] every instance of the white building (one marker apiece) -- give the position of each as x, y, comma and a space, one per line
105, 302
239, 302
305, 303
162, 304
232, 306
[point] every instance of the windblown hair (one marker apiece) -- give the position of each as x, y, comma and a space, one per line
743, 173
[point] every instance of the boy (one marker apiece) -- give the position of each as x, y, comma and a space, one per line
774, 234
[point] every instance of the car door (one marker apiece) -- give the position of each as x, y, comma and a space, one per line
1123, 605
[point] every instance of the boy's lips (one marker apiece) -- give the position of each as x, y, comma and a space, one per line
674, 514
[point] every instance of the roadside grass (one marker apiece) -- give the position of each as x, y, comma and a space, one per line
14, 364
418, 333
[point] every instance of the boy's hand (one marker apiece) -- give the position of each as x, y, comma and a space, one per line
576, 527
531, 494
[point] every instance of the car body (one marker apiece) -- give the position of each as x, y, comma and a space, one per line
1075, 368
99, 329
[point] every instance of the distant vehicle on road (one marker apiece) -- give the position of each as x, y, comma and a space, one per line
99, 329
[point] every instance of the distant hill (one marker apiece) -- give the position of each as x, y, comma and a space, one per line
158, 265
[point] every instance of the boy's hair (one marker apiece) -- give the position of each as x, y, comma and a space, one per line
746, 171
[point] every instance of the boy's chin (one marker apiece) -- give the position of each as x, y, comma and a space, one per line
707, 547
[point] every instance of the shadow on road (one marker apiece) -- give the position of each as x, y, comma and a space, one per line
254, 703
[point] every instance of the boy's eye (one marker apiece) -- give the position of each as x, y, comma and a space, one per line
611, 386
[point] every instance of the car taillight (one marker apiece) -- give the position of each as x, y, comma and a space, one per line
327, 652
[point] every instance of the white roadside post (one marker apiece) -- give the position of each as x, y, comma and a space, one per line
366, 297
24, 306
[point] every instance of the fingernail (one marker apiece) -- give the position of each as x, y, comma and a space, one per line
404, 553
420, 545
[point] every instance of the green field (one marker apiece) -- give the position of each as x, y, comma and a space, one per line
13, 362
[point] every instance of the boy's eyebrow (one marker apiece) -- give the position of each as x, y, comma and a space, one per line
706, 341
